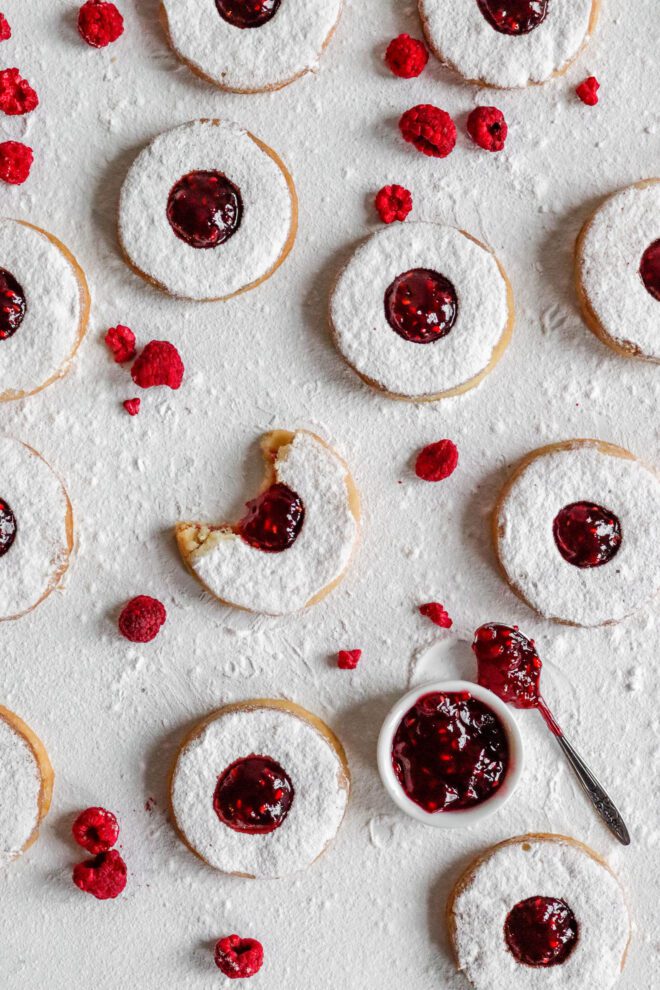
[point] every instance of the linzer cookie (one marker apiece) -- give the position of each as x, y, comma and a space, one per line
26, 785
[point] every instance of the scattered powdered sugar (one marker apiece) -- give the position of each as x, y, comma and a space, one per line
20, 787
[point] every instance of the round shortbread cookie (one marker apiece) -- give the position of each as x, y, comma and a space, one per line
26, 785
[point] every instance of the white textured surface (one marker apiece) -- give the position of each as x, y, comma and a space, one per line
615, 241
279, 583
376, 351
205, 273
319, 799
465, 39
547, 869
20, 786
289, 44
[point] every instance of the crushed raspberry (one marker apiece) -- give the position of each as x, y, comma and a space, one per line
99, 23
132, 406
16, 94
103, 877
487, 128
159, 364
406, 57
588, 91
96, 830
429, 129
238, 958
393, 203
437, 613
348, 659
5, 30
121, 341
141, 619
15, 162
437, 461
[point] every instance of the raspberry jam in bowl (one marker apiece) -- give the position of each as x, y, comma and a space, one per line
450, 753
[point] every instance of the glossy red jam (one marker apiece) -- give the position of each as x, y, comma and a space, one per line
421, 306
253, 795
514, 16
204, 209
247, 13
450, 752
649, 269
12, 304
586, 534
541, 932
508, 664
273, 520
7, 527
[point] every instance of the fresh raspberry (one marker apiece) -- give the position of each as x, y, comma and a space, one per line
393, 203
437, 461
348, 659
487, 128
16, 94
431, 130
588, 91
406, 57
5, 30
96, 830
141, 619
103, 877
238, 958
121, 341
158, 364
132, 406
437, 613
15, 162
99, 23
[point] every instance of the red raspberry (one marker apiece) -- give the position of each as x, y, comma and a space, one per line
437, 613
406, 57
437, 461
103, 877
96, 830
393, 203
141, 619
99, 23
431, 130
158, 364
5, 30
132, 406
487, 128
348, 659
238, 958
121, 341
15, 162
16, 94
588, 91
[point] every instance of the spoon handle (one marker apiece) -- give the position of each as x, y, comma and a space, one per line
600, 800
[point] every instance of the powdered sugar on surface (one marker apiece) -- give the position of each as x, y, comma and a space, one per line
20, 786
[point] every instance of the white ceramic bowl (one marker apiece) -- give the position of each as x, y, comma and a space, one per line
467, 816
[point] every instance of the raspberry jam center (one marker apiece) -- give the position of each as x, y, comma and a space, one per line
273, 520
450, 752
586, 534
253, 795
12, 304
247, 13
204, 209
649, 269
421, 305
7, 527
514, 16
541, 932
508, 664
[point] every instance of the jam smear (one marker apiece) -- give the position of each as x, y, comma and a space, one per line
204, 209
649, 269
541, 932
450, 752
12, 304
247, 13
7, 527
514, 16
273, 520
586, 534
421, 305
253, 795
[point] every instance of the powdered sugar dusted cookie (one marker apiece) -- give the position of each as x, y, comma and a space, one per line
207, 211
572, 531
26, 785
539, 911
248, 46
422, 311
260, 788
617, 271
508, 44
44, 308
296, 540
